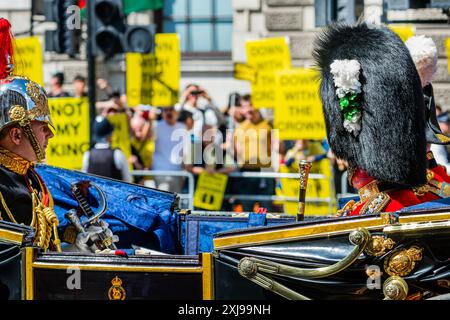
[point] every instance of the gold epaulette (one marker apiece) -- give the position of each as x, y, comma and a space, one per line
441, 189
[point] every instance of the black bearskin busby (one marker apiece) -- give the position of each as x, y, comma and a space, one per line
386, 135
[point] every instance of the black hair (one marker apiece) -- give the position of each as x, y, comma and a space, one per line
184, 115
115, 94
60, 77
246, 97
79, 77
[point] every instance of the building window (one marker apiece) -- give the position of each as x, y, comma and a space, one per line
203, 25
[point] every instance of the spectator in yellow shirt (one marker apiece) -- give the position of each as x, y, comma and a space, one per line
252, 147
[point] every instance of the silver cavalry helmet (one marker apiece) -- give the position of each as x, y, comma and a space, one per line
23, 101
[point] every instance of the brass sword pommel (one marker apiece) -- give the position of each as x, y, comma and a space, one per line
304, 168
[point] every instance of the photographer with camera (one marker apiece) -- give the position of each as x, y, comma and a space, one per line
196, 100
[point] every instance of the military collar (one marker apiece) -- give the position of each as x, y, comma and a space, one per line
14, 162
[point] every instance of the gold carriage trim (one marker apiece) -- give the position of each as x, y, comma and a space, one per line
402, 262
14, 162
378, 245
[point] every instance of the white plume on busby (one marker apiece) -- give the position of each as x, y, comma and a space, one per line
424, 54
375, 119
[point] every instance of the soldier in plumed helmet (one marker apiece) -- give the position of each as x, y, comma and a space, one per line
25, 129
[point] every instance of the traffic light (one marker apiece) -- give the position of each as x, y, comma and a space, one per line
67, 36
110, 33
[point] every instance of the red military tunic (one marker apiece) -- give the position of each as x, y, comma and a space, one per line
379, 197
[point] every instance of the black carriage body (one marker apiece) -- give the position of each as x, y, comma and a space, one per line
311, 249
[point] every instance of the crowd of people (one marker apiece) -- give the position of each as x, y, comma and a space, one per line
198, 136
194, 135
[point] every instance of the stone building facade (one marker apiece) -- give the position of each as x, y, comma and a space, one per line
254, 19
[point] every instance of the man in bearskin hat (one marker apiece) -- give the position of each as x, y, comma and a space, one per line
374, 113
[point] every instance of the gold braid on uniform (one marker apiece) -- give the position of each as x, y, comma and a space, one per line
14, 162
44, 218
43, 232
47, 223
8, 212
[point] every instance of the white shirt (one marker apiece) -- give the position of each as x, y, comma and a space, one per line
120, 161
202, 115
440, 155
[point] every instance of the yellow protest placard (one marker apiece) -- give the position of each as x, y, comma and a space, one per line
121, 133
28, 59
317, 189
210, 191
155, 78
70, 117
447, 50
139, 78
298, 110
266, 56
244, 71
166, 83
403, 31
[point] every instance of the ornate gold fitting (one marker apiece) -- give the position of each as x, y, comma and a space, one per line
348, 207
395, 288
247, 268
18, 114
369, 190
116, 292
402, 262
389, 217
430, 175
420, 191
304, 168
40, 100
378, 245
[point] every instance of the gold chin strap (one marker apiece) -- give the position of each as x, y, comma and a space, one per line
34, 144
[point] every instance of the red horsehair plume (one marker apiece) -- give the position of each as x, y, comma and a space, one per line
6, 47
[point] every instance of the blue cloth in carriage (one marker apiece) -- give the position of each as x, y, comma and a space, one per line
135, 213
443, 203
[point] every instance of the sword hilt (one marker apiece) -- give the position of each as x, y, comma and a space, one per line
304, 168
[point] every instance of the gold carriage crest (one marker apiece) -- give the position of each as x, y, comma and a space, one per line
116, 292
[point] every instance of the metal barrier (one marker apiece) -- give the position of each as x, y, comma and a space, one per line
344, 188
275, 175
184, 197
188, 197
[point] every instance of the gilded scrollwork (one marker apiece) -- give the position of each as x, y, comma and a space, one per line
40, 100
378, 245
401, 262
